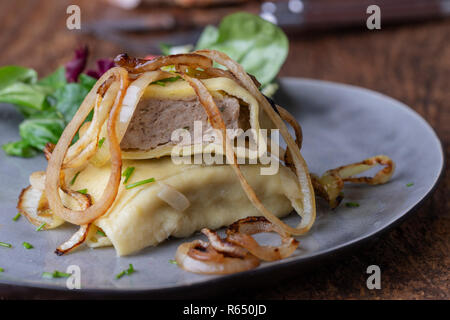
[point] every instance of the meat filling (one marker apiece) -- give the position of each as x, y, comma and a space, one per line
155, 119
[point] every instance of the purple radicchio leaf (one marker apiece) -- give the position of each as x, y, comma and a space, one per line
76, 66
103, 65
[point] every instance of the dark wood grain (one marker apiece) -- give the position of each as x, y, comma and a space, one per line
410, 63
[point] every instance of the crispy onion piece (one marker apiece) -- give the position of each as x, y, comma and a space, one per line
240, 233
306, 207
34, 206
135, 65
289, 118
199, 257
77, 239
87, 145
222, 245
48, 149
33, 203
57, 158
329, 186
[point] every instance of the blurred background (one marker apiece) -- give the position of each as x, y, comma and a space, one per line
408, 59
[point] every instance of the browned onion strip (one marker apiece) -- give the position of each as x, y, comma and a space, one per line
135, 65
49, 147
226, 265
308, 210
223, 246
34, 206
240, 233
289, 118
83, 143
77, 238
57, 157
329, 186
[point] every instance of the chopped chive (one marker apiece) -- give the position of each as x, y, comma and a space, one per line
59, 274
128, 272
16, 217
100, 232
6, 245
139, 183
410, 184
162, 82
352, 204
130, 269
83, 191
40, 227
127, 174
172, 261
55, 274
100, 142
2, 270
47, 275
27, 245
74, 178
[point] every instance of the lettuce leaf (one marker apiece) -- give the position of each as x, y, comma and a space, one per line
258, 45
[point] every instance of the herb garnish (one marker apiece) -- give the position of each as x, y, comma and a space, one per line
410, 184
352, 204
27, 245
162, 82
82, 191
55, 274
16, 217
41, 226
6, 245
100, 232
127, 272
172, 261
74, 178
139, 183
100, 142
127, 174
2, 270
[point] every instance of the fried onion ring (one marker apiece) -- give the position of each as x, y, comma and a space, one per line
240, 233
57, 158
187, 257
329, 186
135, 65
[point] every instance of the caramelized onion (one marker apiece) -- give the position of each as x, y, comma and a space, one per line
77, 238
223, 246
329, 186
305, 205
217, 264
135, 65
240, 233
56, 160
34, 206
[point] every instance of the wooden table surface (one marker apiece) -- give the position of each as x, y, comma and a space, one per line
411, 63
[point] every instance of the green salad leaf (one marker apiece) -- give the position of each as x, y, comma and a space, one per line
258, 45
70, 97
19, 148
47, 105
37, 132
